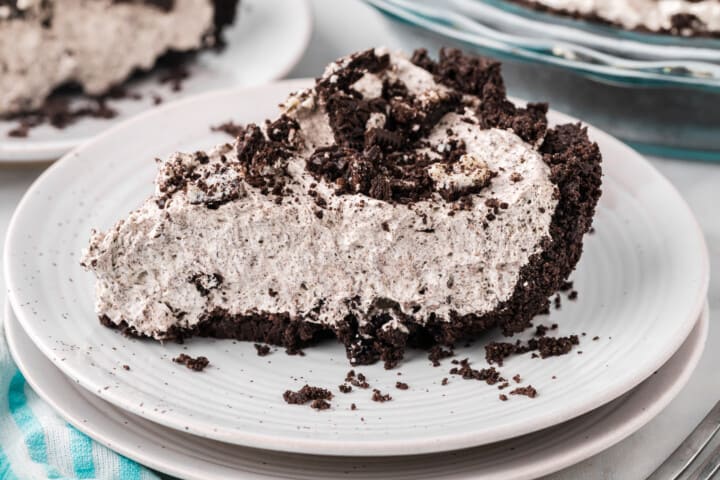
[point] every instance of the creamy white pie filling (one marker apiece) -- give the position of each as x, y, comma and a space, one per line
429, 256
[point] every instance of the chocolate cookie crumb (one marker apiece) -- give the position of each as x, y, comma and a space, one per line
357, 381
308, 394
59, 113
378, 396
231, 128
175, 76
319, 404
197, 364
444, 381
401, 386
437, 353
262, 350
503, 397
488, 375
516, 378
528, 391
555, 346
353, 406
126, 367
516, 177
345, 388
496, 352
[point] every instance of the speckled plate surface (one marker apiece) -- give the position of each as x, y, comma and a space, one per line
642, 281
191, 457
267, 40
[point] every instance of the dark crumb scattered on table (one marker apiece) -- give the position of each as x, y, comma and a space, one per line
353, 406
378, 396
231, 128
437, 353
503, 385
126, 367
573, 295
444, 381
345, 388
307, 393
503, 397
517, 378
557, 302
596, 338
262, 350
401, 386
528, 391
568, 285
197, 364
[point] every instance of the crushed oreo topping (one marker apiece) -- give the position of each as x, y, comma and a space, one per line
384, 161
262, 161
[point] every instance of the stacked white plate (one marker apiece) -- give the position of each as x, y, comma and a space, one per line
642, 282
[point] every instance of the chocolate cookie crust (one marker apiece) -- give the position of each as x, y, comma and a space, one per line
573, 160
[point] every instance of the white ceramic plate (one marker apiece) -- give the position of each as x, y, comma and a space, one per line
642, 281
267, 40
191, 457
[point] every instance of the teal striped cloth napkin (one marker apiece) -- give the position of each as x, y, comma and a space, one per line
36, 443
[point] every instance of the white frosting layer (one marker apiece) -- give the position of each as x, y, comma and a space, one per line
653, 15
95, 43
283, 258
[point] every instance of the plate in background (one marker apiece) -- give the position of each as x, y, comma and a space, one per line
268, 38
